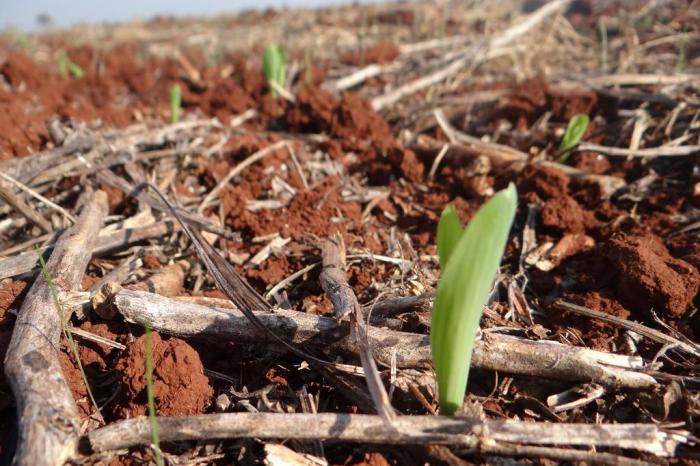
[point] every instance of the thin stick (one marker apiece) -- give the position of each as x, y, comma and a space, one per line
26, 262
438, 159
335, 284
495, 352
235, 171
48, 416
361, 428
663, 151
660, 337
23, 208
38, 196
297, 166
290, 279
475, 54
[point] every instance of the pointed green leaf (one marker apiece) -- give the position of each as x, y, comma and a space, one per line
574, 132
275, 66
462, 292
175, 101
449, 231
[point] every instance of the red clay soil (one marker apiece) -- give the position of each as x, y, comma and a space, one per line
648, 277
179, 384
381, 53
10, 291
359, 129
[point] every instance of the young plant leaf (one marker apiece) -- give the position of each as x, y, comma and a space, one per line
155, 438
574, 132
462, 292
63, 63
175, 101
75, 70
449, 231
275, 67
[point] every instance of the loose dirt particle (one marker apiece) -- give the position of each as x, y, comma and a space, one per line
564, 214
179, 384
380, 53
9, 292
151, 262
590, 162
648, 277
544, 181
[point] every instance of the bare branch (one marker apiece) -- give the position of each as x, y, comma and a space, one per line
48, 416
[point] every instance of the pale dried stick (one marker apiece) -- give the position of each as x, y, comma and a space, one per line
494, 351
336, 286
477, 53
23, 208
461, 432
237, 170
38, 196
48, 416
653, 334
27, 261
663, 151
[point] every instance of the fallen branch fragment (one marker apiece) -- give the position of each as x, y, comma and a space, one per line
28, 261
496, 352
663, 151
48, 416
455, 431
7, 194
472, 55
608, 184
653, 334
336, 286
155, 203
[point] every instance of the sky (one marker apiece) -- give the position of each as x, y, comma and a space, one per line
22, 14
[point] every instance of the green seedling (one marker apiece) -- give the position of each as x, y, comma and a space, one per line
574, 132
603, 45
469, 260
175, 101
155, 438
66, 328
681, 49
66, 66
275, 68
308, 74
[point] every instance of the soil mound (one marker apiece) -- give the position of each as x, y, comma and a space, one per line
179, 384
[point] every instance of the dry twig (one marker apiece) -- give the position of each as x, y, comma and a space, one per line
48, 416
455, 431
495, 352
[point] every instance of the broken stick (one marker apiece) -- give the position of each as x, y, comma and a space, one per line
494, 351
336, 286
463, 432
47, 413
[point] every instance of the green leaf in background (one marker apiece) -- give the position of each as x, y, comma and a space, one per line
449, 231
464, 286
63, 63
66, 66
574, 132
150, 397
175, 100
275, 67
75, 70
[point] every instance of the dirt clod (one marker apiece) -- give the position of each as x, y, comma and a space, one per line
179, 384
648, 277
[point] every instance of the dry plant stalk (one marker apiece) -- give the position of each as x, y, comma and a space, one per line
335, 284
494, 351
462, 432
27, 262
48, 416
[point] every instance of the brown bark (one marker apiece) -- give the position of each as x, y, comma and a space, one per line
48, 416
